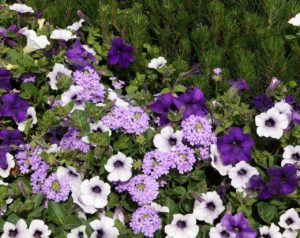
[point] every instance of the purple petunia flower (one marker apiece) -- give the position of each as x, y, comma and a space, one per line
5, 77
3, 161
162, 106
5, 39
235, 146
283, 180
262, 102
14, 106
145, 220
120, 53
257, 184
11, 137
29, 77
78, 56
239, 84
239, 225
192, 102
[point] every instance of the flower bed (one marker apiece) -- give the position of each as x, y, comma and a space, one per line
92, 148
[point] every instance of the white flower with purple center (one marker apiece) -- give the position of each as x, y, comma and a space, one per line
31, 115
10, 163
220, 231
70, 173
104, 228
217, 162
96, 127
119, 167
167, 139
271, 123
58, 72
240, 175
290, 220
94, 192
90, 209
72, 94
76, 25
78, 232
21, 8
38, 229
291, 155
18, 230
209, 208
157, 63
62, 34
182, 226
270, 232
290, 233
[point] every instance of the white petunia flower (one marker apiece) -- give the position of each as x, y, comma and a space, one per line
182, 226
119, 167
54, 148
289, 233
271, 123
167, 139
94, 192
71, 173
290, 220
21, 8
210, 208
76, 199
38, 228
217, 162
291, 155
31, 113
11, 230
62, 34
271, 232
159, 208
112, 96
89, 50
78, 232
241, 174
58, 69
284, 108
104, 228
34, 42
76, 25
4, 173
71, 94
157, 63
295, 21
96, 127
119, 215
220, 232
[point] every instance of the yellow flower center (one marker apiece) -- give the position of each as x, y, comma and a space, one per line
55, 186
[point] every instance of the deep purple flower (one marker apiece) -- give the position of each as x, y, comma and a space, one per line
78, 56
262, 102
28, 77
192, 102
14, 106
260, 186
5, 39
11, 137
5, 77
162, 106
239, 225
295, 117
120, 53
235, 146
239, 84
3, 151
283, 180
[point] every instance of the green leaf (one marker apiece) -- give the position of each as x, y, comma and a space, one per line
179, 88
98, 138
71, 222
123, 142
266, 211
56, 213
80, 120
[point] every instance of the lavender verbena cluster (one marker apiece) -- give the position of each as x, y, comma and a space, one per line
184, 158
142, 188
89, 80
145, 220
156, 163
71, 141
133, 120
198, 131
56, 188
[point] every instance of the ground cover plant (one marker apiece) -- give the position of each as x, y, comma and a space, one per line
103, 138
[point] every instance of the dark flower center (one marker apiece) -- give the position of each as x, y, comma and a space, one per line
270, 122
100, 233
289, 221
181, 224
266, 236
224, 234
172, 141
13, 233
118, 164
96, 189
296, 156
72, 174
80, 234
211, 206
242, 172
37, 234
